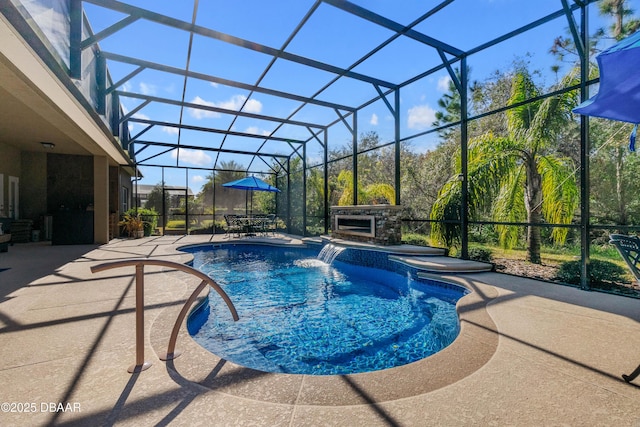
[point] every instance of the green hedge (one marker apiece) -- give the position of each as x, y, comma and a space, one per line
601, 273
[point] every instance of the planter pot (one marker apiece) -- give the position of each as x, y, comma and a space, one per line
138, 234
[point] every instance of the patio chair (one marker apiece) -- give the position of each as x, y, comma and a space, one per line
270, 224
233, 225
629, 248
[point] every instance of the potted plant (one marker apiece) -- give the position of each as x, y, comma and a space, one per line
133, 225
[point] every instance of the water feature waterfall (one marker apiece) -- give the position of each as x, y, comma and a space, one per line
330, 252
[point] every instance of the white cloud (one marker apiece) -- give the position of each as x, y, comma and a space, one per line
443, 84
236, 101
126, 87
201, 114
374, 119
170, 130
197, 179
253, 106
233, 103
256, 131
421, 117
138, 116
147, 89
194, 157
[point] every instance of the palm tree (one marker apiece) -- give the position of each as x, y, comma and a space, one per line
516, 177
618, 10
226, 198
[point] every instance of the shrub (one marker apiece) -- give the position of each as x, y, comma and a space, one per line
415, 239
480, 254
149, 216
600, 272
176, 224
483, 234
132, 224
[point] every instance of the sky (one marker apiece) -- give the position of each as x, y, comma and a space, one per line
330, 36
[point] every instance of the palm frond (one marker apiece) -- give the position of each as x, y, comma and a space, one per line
490, 158
560, 193
523, 88
509, 207
447, 208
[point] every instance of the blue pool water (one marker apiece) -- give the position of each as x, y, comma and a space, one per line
300, 315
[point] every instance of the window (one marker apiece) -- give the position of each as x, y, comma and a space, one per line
124, 196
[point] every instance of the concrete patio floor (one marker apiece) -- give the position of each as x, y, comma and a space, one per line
529, 353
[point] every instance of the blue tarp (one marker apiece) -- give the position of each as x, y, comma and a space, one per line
619, 95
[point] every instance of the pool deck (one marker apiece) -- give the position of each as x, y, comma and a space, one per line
530, 353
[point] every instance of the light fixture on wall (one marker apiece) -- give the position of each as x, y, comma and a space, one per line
48, 145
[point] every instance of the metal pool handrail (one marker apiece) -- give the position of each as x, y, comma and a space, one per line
140, 364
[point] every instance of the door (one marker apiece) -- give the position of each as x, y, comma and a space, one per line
14, 197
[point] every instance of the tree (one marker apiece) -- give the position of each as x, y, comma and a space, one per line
610, 159
378, 193
376, 165
618, 10
617, 155
155, 199
516, 177
315, 195
227, 199
450, 107
423, 175
265, 201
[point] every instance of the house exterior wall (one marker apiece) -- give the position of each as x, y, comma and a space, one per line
100, 199
10, 165
33, 187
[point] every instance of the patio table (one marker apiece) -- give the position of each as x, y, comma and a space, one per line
250, 224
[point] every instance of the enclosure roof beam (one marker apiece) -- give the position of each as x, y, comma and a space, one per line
221, 150
393, 26
211, 130
577, 40
219, 80
525, 28
95, 38
217, 109
237, 41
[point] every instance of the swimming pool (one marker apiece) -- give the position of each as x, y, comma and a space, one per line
301, 315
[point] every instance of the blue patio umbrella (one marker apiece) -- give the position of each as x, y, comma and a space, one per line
251, 183
619, 95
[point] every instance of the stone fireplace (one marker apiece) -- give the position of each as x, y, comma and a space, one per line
379, 224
